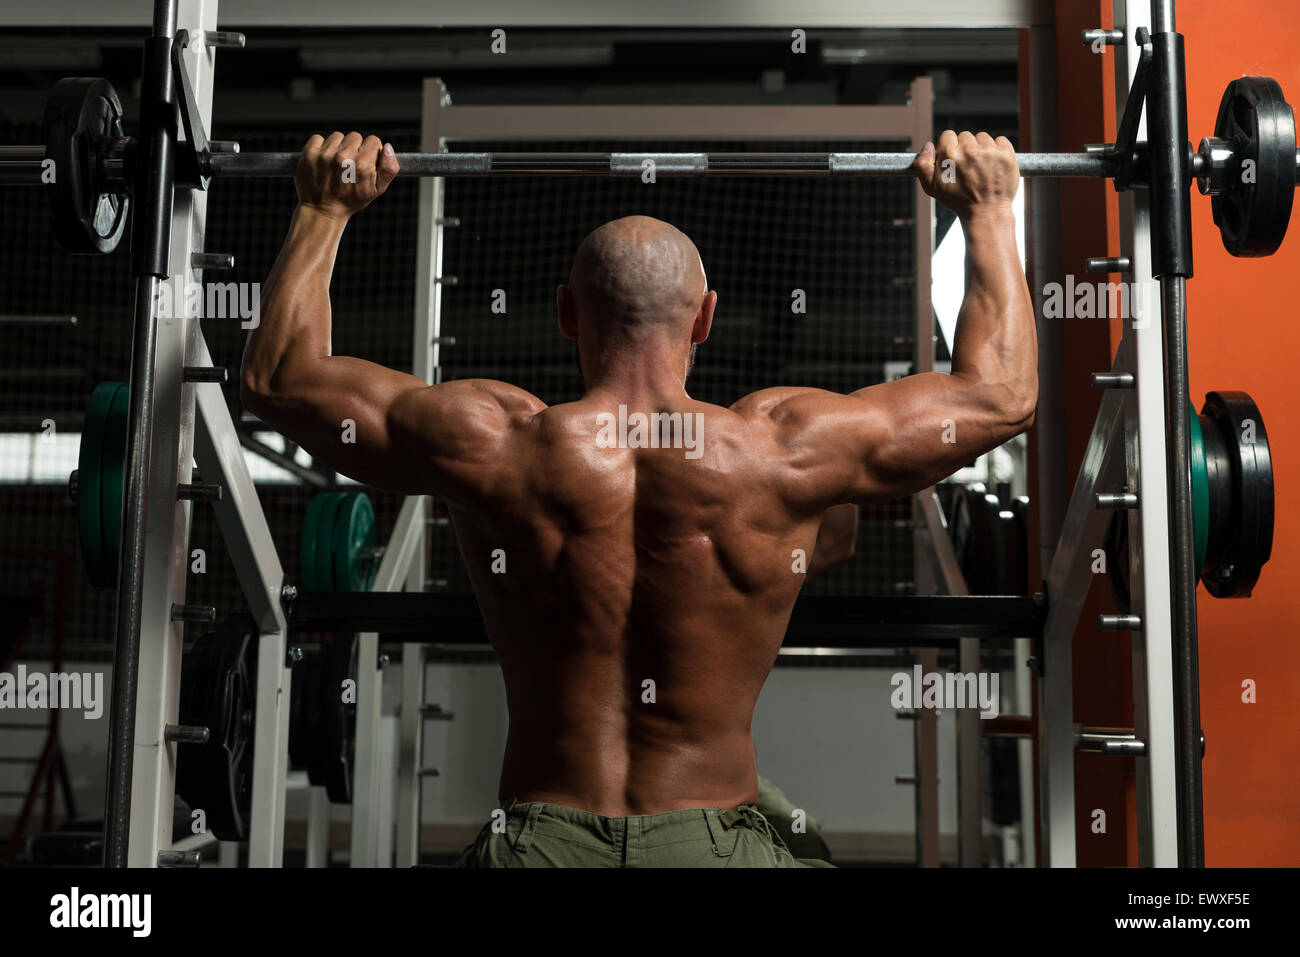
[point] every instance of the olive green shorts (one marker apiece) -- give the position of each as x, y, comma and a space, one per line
803, 839
549, 835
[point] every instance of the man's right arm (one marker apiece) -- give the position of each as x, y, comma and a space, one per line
889, 440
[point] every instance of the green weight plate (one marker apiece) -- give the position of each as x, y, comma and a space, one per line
112, 489
310, 542
325, 541
89, 479
1200, 490
354, 537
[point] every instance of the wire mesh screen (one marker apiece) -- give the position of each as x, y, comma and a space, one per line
48, 367
49, 370
815, 282
846, 245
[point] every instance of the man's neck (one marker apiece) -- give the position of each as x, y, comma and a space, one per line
645, 376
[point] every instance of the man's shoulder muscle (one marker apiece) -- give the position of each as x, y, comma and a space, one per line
467, 429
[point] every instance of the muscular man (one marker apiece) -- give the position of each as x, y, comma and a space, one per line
837, 541
645, 573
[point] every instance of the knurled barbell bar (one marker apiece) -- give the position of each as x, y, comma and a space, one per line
1250, 166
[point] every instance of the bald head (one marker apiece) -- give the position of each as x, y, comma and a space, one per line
638, 273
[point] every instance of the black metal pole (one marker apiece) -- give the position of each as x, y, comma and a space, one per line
1171, 254
150, 243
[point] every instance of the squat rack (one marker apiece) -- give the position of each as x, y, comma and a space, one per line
172, 419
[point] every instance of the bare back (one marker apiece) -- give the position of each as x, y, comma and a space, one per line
636, 605
637, 596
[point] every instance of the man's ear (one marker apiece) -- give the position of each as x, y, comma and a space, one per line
704, 318
566, 312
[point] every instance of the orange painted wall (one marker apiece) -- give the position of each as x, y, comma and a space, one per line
1242, 335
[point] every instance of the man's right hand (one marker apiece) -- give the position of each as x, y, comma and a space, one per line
969, 173
326, 182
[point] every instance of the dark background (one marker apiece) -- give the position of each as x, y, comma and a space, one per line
848, 244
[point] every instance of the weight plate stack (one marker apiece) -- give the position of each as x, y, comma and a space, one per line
218, 691
338, 543
82, 115
1239, 470
983, 561
1232, 500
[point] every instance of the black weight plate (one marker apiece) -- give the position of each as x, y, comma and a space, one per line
959, 529
309, 671
1244, 465
240, 703
997, 548
197, 765
983, 563
1256, 119
300, 715
82, 114
197, 665
338, 719
218, 691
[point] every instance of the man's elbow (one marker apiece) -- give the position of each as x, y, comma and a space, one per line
1022, 407
255, 392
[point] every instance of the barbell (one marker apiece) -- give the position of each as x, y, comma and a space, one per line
1250, 166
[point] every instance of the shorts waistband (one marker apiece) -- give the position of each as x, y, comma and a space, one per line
635, 831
